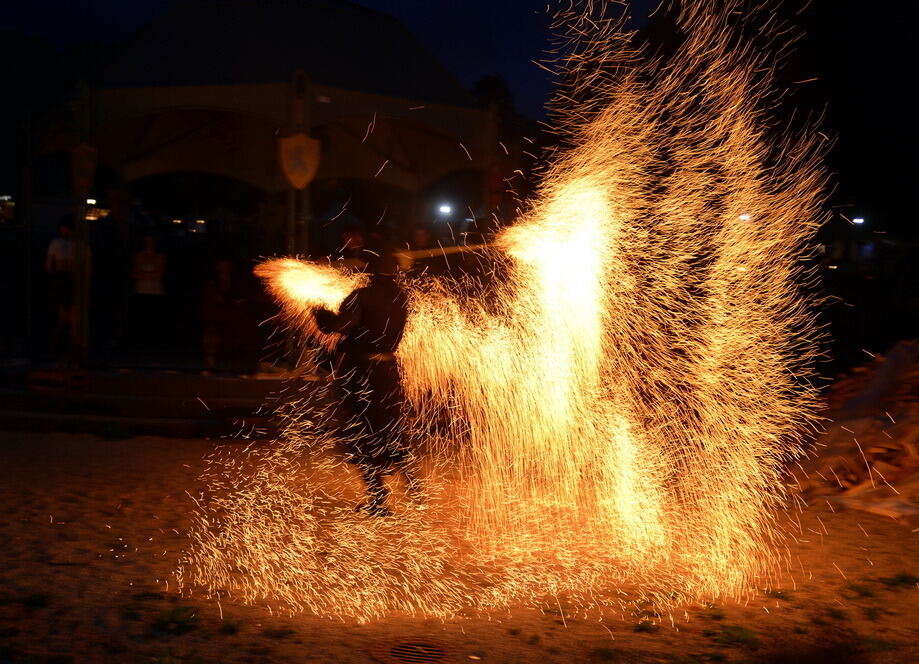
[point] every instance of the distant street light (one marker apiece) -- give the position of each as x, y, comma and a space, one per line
445, 209
858, 220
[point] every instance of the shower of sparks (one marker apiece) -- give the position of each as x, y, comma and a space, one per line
305, 287
612, 417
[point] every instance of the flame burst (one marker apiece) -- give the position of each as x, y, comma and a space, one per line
616, 413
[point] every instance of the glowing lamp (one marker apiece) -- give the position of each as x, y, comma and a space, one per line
445, 208
858, 220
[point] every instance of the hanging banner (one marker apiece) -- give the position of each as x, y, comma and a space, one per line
299, 156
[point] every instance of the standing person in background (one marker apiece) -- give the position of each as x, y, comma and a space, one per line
228, 331
353, 250
421, 238
149, 268
61, 264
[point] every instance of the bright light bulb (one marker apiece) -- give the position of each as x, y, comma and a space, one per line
445, 209
858, 220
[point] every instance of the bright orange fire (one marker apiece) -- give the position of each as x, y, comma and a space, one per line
617, 414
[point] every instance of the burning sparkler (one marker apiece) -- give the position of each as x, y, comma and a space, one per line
619, 412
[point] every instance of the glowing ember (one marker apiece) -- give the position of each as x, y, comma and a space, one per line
616, 413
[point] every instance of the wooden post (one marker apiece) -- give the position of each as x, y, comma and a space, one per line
30, 227
84, 167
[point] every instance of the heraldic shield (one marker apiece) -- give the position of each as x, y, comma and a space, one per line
299, 159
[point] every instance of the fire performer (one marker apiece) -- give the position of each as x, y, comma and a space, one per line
371, 321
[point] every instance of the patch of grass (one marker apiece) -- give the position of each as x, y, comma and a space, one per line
685, 659
798, 629
513, 631
146, 595
872, 612
168, 657
180, 620
11, 655
778, 594
837, 614
900, 580
604, 655
9, 652
716, 657
278, 632
713, 613
873, 644
131, 612
646, 627
230, 626
534, 640
859, 590
737, 635
36, 601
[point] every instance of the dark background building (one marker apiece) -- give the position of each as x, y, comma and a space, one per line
185, 118
185, 102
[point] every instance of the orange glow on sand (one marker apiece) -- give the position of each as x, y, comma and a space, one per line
611, 421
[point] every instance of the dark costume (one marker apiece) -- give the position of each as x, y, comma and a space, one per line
371, 320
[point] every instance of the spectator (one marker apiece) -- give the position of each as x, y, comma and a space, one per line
148, 272
228, 332
62, 264
421, 238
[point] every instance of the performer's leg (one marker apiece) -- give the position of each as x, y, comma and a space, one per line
376, 489
412, 481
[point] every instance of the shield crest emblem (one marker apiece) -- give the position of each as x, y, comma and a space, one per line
299, 159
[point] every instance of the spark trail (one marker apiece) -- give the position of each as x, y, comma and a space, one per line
618, 412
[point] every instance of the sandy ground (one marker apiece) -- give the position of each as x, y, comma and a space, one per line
91, 530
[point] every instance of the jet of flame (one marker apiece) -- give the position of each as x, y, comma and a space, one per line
619, 410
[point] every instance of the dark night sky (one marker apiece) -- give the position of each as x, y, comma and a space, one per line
471, 37
861, 53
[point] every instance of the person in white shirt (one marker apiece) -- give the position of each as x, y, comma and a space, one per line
61, 263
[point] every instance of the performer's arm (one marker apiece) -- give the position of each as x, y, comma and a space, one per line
344, 321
